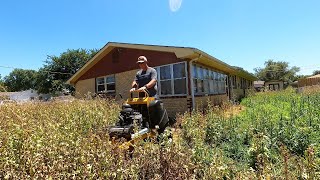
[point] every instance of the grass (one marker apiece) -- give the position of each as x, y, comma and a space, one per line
273, 135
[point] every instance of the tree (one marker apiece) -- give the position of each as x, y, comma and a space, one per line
300, 76
243, 70
58, 69
2, 87
20, 80
277, 71
316, 72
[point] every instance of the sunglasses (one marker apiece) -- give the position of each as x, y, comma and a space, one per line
141, 62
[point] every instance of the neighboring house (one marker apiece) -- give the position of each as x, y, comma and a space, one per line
310, 81
258, 85
187, 77
5, 97
24, 96
274, 85
21, 96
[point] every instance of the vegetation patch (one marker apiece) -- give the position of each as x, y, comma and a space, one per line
270, 135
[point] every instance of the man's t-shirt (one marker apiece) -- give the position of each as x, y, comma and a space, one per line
144, 77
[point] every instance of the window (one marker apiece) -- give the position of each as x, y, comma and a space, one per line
106, 84
172, 79
199, 80
234, 82
207, 81
194, 78
222, 84
216, 82
250, 84
180, 79
165, 80
274, 87
211, 82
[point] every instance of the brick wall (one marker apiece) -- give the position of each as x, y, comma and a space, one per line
124, 82
237, 94
202, 101
123, 85
84, 87
175, 105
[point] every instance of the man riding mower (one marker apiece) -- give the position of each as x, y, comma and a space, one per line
141, 117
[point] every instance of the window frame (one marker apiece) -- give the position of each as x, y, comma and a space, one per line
217, 77
106, 84
172, 79
234, 82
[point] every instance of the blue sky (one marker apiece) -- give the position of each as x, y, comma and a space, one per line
243, 33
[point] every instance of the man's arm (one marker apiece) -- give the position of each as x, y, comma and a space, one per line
134, 84
151, 83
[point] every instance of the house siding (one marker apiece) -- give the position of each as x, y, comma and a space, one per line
201, 102
124, 82
85, 87
237, 94
175, 105
124, 59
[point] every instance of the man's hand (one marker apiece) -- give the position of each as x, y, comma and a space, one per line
142, 88
132, 89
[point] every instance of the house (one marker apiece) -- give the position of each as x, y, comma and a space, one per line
5, 97
258, 85
23, 96
187, 77
274, 85
310, 81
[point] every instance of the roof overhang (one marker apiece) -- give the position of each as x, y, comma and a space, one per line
215, 63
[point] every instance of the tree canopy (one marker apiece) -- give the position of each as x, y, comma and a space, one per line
58, 69
316, 72
277, 70
2, 87
20, 80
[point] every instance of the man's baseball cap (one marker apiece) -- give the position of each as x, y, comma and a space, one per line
142, 59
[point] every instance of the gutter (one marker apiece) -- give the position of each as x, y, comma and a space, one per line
191, 81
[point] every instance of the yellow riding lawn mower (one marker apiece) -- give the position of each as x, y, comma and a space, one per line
141, 117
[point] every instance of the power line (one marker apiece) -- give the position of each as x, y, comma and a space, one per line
9, 67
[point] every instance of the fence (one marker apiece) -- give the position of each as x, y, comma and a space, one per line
309, 82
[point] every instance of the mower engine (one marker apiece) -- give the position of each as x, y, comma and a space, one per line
128, 119
141, 117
